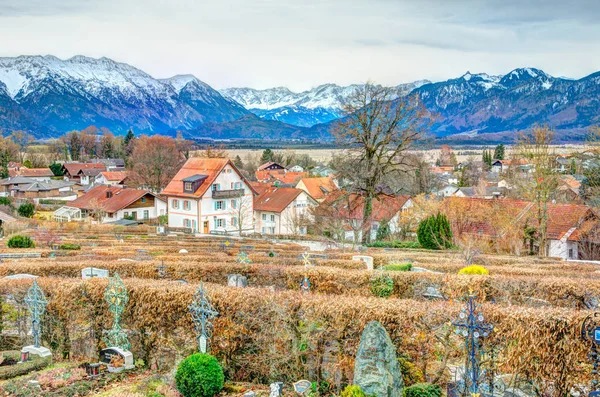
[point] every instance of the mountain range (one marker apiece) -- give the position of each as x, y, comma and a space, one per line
48, 96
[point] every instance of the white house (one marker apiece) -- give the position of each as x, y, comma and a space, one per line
210, 195
112, 178
110, 204
282, 210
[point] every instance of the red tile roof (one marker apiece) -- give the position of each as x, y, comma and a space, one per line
351, 206
315, 186
120, 198
274, 199
211, 167
36, 172
115, 176
282, 176
74, 168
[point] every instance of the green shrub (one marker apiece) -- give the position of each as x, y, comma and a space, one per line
394, 244
19, 241
11, 371
163, 219
199, 375
382, 286
434, 232
398, 267
70, 246
383, 231
352, 391
6, 201
56, 169
410, 373
422, 390
26, 210
473, 269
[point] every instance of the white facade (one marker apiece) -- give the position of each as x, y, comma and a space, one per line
208, 214
563, 249
292, 220
101, 180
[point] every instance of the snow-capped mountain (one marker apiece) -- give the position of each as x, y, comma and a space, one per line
57, 95
318, 105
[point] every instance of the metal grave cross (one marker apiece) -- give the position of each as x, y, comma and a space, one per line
226, 244
471, 325
305, 285
117, 297
306, 259
162, 270
36, 304
202, 311
243, 257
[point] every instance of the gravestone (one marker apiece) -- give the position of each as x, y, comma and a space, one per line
107, 355
330, 363
276, 389
368, 260
20, 276
302, 386
183, 251
237, 280
92, 272
247, 247
250, 393
376, 369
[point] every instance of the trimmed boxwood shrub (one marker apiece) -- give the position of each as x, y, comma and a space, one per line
422, 390
399, 267
69, 246
473, 269
19, 241
26, 210
199, 375
11, 371
394, 244
352, 391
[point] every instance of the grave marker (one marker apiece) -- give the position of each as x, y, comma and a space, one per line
276, 389
111, 354
36, 305
237, 280
367, 260
302, 386
376, 369
202, 311
93, 272
117, 297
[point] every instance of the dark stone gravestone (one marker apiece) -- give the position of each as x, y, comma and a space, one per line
376, 369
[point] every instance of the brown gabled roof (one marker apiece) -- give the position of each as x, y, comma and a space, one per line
351, 206
211, 167
36, 172
270, 163
318, 188
282, 176
275, 199
75, 168
120, 198
115, 176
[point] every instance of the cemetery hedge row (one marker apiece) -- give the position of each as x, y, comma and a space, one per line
284, 336
550, 291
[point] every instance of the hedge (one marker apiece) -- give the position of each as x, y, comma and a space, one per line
35, 363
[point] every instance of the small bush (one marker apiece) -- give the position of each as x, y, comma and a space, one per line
26, 210
434, 232
394, 244
422, 390
398, 267
352, 391
473, 269
70, 246
410, 373
19, 241
382, 286
199, 375
6, 201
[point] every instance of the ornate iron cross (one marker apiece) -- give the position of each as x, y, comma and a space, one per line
305, 285
471, 325
36, 304
243, 257
116, 296
202, 311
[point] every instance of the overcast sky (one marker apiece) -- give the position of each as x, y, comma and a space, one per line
304, 43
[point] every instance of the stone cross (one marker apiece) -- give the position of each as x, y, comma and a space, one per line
202, 311
36, 304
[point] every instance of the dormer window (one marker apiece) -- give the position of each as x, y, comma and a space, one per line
187, 186
192, 183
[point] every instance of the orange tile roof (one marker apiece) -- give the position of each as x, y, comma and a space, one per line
275, 199
211, 167
283, 176
315, 185
121, 198
33, 172
351, 206
118, 176
75, 168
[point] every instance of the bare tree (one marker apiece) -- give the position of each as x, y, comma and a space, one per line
540, 183
22, 139
241, 209
377, 132
98, 211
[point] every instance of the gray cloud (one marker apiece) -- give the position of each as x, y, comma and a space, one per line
304, 43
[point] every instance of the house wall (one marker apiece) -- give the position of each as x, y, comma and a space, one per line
562, 249
204, 210
270, 225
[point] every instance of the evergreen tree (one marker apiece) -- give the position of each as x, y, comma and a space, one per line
28, 164
267, 155
499, 152
75, 146
128, 137
237, 161
4, 164
56, 169
383, 232
434, 232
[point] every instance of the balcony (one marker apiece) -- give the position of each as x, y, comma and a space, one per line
226, 194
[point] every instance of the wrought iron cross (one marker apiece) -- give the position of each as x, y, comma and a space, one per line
243, 257
471, 325
116, 296
305, 285
202, 311
162, 270
36, 304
